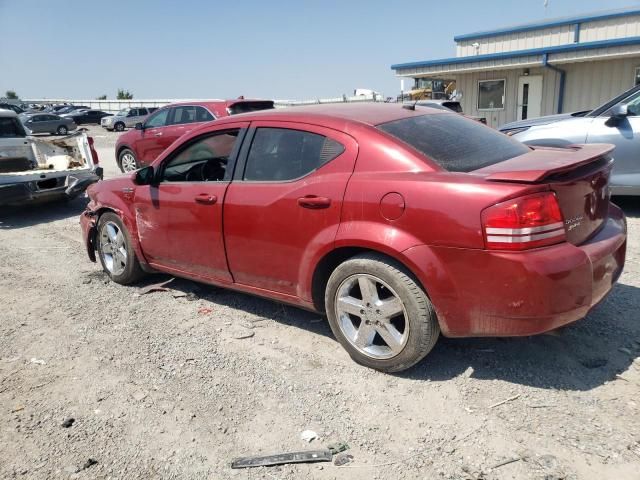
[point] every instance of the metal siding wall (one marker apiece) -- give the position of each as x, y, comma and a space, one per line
610, 28
517, 41
590, 84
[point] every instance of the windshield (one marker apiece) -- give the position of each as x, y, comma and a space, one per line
123, 112
603, 108
454, 142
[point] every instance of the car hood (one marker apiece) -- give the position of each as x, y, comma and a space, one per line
532, 122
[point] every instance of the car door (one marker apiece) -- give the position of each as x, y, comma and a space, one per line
33, 123
624, 133
285, 201
180, 218
152, 141
181, 122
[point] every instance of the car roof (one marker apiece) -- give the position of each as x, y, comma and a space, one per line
7, 113
363, 113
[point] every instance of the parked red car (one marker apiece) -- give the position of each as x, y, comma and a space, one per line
398, 223
139, 147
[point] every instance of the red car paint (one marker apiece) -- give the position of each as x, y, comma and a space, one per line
277, 239
148, 143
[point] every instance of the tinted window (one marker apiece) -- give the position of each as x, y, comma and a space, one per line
203, 161
9, 128
244, 107
142, 111
203, 115
455, 106
158, 119
279, 154
454, 142
186, 114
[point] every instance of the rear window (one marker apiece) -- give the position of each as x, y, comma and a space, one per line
9, 128
454, 142
245, 107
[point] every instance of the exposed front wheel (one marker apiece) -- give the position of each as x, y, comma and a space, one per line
379, 314
62, 130
115, 250
119, 127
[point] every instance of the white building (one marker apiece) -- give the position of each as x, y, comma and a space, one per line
541, 68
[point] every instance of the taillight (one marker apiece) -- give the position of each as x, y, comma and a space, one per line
525, 222
94, 154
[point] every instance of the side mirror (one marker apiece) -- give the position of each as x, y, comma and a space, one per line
144, 176
618, 113
139, 126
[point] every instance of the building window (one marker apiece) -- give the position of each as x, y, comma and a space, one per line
491, 94
637, 79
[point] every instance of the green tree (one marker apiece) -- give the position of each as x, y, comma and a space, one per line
102, 97
11, 95
124, 94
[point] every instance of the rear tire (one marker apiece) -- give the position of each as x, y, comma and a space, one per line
115, 249
119, 127
127, 161
62, 130
379, 313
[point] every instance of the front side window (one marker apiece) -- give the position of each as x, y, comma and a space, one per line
454, 142
204, 160
186, 114
158, 119
633, 105
280, 154
637, 76
491, 94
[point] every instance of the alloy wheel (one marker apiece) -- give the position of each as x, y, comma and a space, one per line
128, 162
371, 316
113, 249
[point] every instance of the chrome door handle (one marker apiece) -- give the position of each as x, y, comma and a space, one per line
159, 134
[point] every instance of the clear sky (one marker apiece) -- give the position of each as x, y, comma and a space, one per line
282, 49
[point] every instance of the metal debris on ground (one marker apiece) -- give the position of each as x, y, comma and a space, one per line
156, 287
308, 436
310, 456
338, 447
38, 361
205, 310
510, 399
241, 335
506, 462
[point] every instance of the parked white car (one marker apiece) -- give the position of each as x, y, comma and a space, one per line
126, 118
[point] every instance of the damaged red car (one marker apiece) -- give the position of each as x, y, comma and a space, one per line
400, 223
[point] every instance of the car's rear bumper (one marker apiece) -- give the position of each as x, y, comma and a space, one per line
490, 293
65, 186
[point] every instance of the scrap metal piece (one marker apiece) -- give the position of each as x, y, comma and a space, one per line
308, 456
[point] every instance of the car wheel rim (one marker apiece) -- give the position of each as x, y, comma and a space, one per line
371, 316
113, 248
62, 130
128, 162
119, 127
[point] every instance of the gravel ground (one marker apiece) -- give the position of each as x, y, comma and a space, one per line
175, 384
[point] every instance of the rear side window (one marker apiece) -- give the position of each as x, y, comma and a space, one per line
184, 115
9, 128
280, 154
245, 107
202, 115
454, 142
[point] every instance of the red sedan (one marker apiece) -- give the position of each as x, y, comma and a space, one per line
399, 223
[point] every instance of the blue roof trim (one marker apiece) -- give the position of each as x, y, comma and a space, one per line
617, 42
548, 24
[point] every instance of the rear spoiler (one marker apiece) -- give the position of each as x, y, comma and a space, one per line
543, 162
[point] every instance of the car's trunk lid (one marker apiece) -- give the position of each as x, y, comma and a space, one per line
579, 176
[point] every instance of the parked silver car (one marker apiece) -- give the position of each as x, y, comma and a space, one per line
47, 123
126, 118
616, 122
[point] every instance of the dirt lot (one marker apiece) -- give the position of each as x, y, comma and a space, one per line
175, 384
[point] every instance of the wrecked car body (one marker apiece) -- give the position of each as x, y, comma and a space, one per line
34, 169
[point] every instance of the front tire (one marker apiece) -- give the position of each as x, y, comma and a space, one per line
119, 127
379, 313
127, 161
115, 250
62, 130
